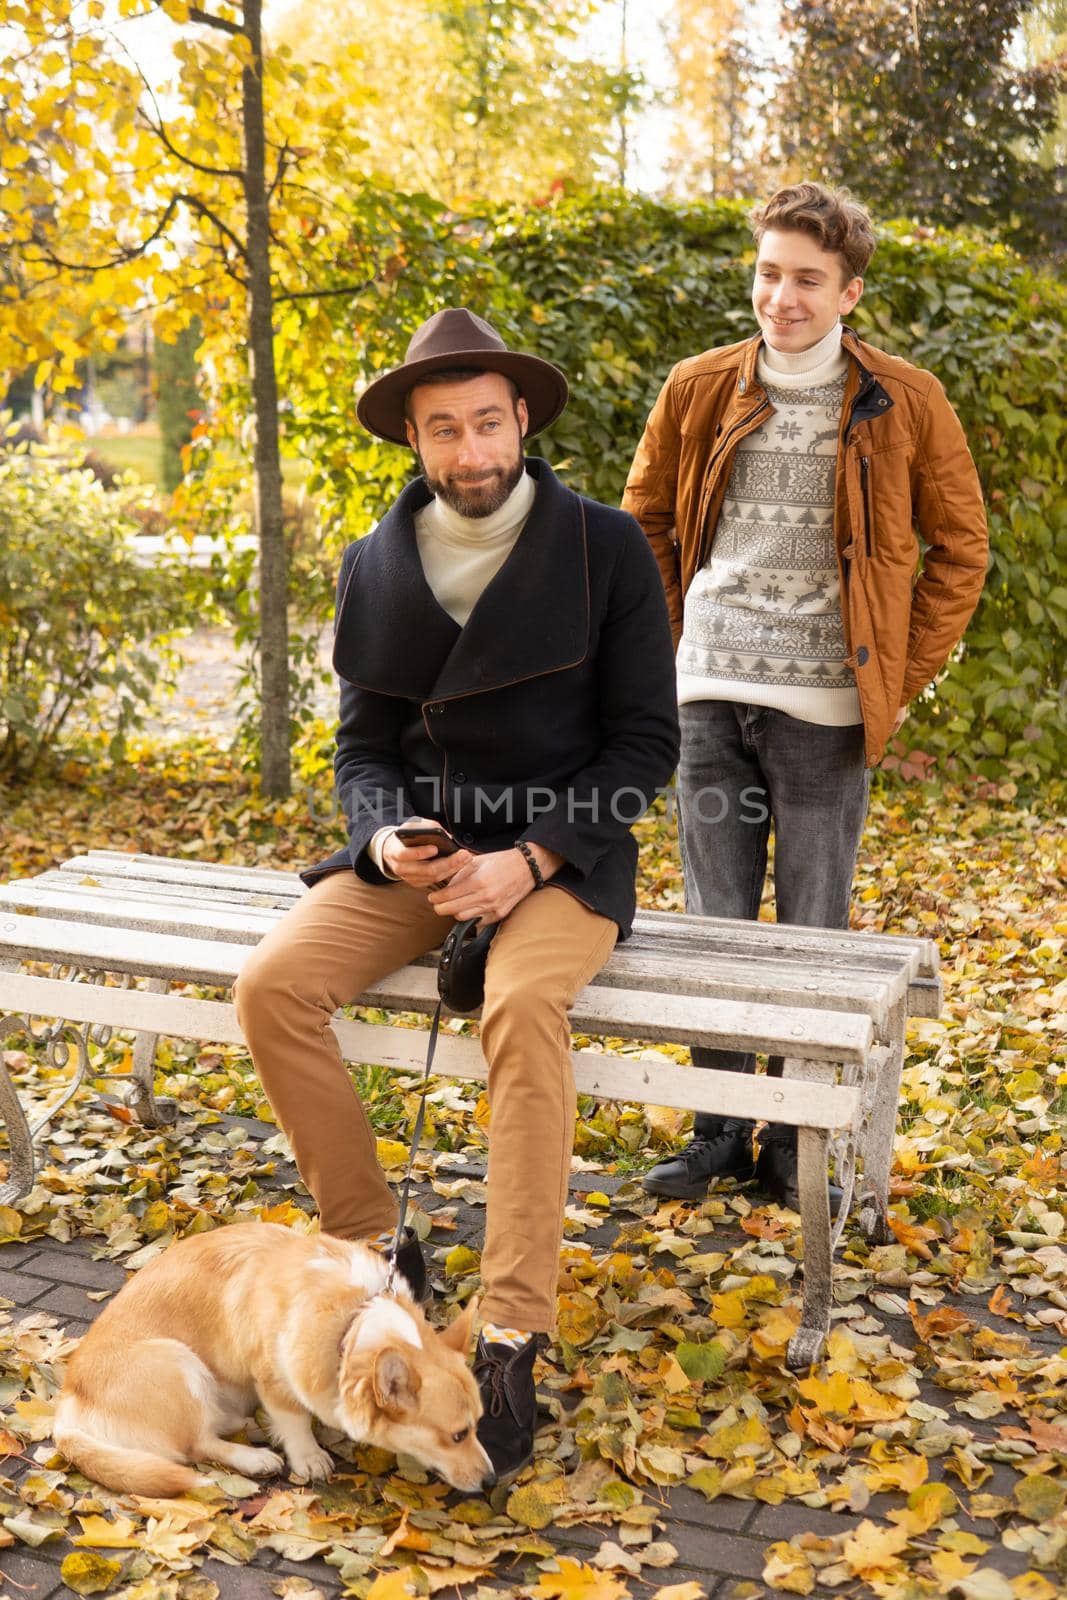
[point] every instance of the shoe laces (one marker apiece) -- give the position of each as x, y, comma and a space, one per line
706, 1141
492, 1369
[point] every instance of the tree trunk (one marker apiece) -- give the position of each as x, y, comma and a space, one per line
267, 475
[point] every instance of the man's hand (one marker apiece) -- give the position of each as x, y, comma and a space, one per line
419, 864
492, 885
899, 723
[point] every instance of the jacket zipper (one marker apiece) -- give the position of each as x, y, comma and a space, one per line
865, 490
724, 444
866, 384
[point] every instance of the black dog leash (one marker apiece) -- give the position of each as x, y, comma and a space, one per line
416, 1137
461, 987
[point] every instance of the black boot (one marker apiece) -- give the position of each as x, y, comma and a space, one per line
777, 1169
726, 1153
509, 1403
411, 1265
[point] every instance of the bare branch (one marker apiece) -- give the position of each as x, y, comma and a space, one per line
323, 294
196, 14
326, 202
129, 253
202, 209
132, 252
161, 134
159, 130
279, 171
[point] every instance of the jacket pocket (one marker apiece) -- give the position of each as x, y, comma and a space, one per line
865, 494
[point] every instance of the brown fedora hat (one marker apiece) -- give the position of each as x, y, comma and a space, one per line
457, 338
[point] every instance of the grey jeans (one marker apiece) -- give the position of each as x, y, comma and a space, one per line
743, 768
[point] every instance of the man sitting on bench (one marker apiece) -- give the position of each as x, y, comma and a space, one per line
506, 675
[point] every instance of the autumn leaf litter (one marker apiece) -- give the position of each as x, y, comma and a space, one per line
945, 1381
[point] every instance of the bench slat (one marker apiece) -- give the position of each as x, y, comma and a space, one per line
149, 955
763, 939
185, 894
815, 939
645, 1014
813, 1105
163, 870
116, 908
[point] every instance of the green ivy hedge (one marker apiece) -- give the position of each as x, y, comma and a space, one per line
615, 289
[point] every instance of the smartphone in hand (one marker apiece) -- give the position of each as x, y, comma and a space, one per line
416, 833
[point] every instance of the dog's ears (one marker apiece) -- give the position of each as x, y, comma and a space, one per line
457, 1336
396, 1382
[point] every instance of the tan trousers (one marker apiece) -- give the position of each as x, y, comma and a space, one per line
344, 935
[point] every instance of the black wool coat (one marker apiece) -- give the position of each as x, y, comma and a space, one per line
550, 717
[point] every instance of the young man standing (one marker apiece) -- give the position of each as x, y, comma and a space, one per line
781, 482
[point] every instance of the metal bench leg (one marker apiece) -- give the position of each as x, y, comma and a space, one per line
881, 1134
146, 1108
19, 1137
806, 1345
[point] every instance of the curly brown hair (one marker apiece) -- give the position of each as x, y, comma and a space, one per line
829, 216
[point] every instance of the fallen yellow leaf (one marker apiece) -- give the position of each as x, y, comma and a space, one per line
535, 1505
86, 1573
873, 1552
573, 1581
121, 1534
391, 1586
786, 1567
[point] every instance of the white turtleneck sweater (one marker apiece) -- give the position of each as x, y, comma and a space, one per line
763, 615
460, 556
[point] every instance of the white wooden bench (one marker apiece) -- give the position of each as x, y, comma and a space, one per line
195, 552
119, 930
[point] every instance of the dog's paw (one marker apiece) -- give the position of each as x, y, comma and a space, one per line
256, 1463
311, 1463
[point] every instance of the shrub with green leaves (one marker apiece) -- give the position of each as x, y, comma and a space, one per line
616, 288
81, 619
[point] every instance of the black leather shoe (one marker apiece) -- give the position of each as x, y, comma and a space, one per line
777, 1172
726, 1154
509, 1403
411, 1265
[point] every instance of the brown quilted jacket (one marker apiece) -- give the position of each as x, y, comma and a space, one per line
903, 468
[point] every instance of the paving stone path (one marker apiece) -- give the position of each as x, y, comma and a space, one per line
205, 700
720, 1543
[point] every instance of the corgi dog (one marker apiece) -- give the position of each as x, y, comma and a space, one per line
254, 1314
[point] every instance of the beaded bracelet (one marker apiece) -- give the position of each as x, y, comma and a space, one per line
531, 861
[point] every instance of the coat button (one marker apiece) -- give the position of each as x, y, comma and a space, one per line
459, 777
466, 838
862, 655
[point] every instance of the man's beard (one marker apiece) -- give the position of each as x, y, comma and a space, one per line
478, 499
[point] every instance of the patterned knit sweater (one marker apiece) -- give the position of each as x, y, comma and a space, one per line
763, 615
